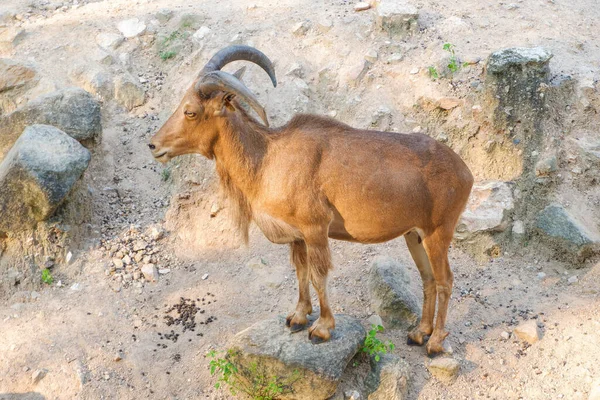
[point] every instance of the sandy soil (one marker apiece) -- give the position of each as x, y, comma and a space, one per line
76, 334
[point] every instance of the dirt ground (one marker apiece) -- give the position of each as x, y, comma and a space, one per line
75, 332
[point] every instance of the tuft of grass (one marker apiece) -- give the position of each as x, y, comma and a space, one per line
47, 276
374, 346
433, 73
453, 64
252, 381
167, 54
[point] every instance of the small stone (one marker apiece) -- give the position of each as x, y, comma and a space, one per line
131, 28
38, 375
118, 356
164, 271
375, 320
127, 260
301, 28
201, 33
371, 56
573, 279
76, 287
505, 335
361, 6
137, 275
204, 277
129, 92
444, 369
518, 228
448, 103
118, 263
395, 58
546, 166
351, 395
541, 275
528, 332
139, 245
214, 210
109, 41
150, 272
414, 71
397, 19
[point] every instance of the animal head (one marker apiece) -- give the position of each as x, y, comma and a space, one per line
194, 126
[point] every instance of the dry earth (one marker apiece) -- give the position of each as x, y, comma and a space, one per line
75, 332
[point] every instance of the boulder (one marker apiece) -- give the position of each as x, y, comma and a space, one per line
306, 371
388, 379
567, 231
514, 78
37, 174
444, 369
128, 92
528, 331
14, 74
397, 18
391, 295
72, 110
486, 208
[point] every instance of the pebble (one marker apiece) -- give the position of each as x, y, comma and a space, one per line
204, 277
118, 263
528, 331
362, 6
118, 356
76, 287
38, 375
150, 272
371, 56
351, 395
505, 335
325, 25
573, 279
301, 28
448, 103
201, 33
375, 320
414, 71
541, 275
164, 271
444, 369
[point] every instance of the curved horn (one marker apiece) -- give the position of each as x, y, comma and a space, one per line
239, 52
222, 81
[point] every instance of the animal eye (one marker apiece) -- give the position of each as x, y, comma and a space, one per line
189, 114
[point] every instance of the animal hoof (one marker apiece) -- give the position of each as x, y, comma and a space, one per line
317, 340
411, 342
296, 327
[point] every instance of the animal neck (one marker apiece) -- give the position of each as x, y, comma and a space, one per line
239, 154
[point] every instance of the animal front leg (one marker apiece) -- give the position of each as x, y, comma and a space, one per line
319, 263
297, 320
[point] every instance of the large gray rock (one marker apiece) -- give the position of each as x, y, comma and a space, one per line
397, 18
391, 295
388, 379
485, 211
14, 74
128, 92
307, 371
37, 174
72, 110
513, 81
567, 230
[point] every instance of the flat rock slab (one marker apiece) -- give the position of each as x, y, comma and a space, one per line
307, 371
391, 295
72, 110
37, 174
500, 61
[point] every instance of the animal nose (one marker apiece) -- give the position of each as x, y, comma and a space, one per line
151, 146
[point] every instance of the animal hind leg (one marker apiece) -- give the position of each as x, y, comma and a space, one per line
319, 264
297, 320
436, 245
417, 251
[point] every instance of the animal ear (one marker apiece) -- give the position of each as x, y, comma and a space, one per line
226, 103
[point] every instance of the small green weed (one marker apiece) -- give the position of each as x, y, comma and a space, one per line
165, 55
165, 174
374, 346
47, 276
251, 381
433, 73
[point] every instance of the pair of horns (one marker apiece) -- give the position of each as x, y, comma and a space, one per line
212, 79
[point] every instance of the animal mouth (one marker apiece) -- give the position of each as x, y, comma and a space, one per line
160, 155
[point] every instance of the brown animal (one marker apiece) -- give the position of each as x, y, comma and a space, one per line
315, 178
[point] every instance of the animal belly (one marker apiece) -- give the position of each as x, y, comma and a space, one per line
276, 230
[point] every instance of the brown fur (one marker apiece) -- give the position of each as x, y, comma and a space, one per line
316, 178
